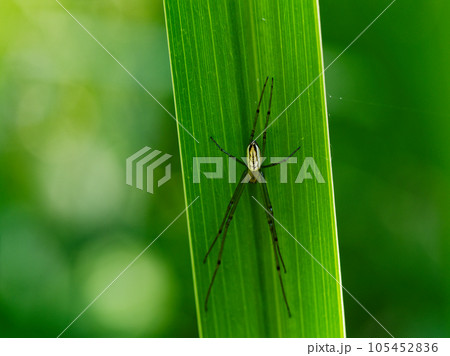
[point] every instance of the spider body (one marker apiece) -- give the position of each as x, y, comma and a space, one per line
254, 168
253, 157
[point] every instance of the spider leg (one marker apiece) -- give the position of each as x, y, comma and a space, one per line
267, 119
229, 155
227, 220
276, 247
284, 160
234, 200
257, 111
270, 221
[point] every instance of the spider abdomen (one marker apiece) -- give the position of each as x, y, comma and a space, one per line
253, 157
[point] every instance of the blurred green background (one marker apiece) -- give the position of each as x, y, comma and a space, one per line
70, 116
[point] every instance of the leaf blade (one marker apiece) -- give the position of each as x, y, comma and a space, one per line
220, 53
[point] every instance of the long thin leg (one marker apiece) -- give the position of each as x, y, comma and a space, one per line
284, 160
229, 155
257, 111
237, 195
276, 248
233, 201
271, 224
267, 119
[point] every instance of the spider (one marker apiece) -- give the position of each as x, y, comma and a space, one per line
253, 174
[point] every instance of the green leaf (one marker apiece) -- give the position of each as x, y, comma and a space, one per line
221, 52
